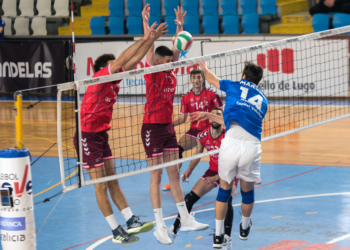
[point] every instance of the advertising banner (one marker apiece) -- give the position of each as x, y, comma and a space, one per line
31, 65
87, 53
17, 222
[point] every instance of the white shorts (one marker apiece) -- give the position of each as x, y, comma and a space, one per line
239, 159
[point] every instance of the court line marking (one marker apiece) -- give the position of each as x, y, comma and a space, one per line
199, 237
236, 205
276, 217
312, 213
339, 239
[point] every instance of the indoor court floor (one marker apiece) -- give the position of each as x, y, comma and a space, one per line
302, 203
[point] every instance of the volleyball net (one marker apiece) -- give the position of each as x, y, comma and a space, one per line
306, 81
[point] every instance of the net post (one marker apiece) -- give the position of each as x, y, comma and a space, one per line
19, 120
78, 133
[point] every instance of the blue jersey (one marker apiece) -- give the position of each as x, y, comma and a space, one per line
246, 104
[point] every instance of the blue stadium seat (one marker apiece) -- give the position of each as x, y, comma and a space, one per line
191, 6
116, 7
155, 7
210, 7
134, 7
134, 25
230, 24
211, 24
320, 22
340, 20
250, 23
153, 19
229, 7
115, 25
169, 6
268, 7
191, 24
172, 26
248, 6
97, 25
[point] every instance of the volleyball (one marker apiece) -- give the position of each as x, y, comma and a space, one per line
183, 41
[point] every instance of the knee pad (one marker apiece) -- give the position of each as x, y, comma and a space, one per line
181, 150
223, 195
190, 199
248, 197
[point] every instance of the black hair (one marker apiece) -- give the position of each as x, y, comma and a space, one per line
217, 108
163, 51
196, 72
102, 61
253, 72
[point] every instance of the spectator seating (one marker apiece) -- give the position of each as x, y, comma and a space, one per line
250, 23
44, 7
340, 20
172, 26
21, 26
191, 6
115, 25
229, 7
134, 7
62, 8
230, 23
39, 26
320, 22
248, 6
116, 7
211, 24
153, 19
268, 7
191, 24
27, 8
155, 7
97, 25
169, 6
8, 26
9, 7
134, 25
210, 7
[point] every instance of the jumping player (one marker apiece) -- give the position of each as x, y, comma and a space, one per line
211, 140
158, 134
96, 114
246, 107
199, 98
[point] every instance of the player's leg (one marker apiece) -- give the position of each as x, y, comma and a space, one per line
197, 192
247, 192
185, 143
230, 214
134, 225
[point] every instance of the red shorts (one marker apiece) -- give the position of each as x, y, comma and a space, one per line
211, 173
95, 149
193, 133
157, 138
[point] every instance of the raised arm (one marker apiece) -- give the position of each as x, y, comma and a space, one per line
181, 118
180, 14
186, 175
209, 76
154, 35
145, 23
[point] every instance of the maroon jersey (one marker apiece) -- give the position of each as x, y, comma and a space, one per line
97, 105
209, 143
160, 93
204, 102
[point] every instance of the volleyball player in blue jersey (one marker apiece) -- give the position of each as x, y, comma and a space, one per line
245, 109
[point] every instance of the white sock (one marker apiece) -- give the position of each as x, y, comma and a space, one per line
158, 213
126, 212
245, 222
181, 206
219, 226
112, 221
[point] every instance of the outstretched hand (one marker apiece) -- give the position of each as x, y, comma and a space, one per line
146, 13
162, 29
180, 14
198, 116
149, 34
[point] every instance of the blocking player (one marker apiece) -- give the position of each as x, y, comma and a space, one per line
211, 140
158, 134
96, 115
199, 98
246, 107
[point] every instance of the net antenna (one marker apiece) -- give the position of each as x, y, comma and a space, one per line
322, 64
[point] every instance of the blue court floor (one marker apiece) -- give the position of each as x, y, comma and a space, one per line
297, 207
